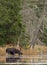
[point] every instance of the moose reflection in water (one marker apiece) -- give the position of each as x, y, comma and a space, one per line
12, 52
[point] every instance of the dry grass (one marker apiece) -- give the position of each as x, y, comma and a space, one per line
2, 51
37, 49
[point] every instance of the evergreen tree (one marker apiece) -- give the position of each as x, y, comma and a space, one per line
10, 21
12, 29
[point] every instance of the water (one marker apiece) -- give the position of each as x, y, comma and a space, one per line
26, 60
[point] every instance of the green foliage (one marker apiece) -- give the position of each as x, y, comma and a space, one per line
11, 25
43, 36
10, 21
24, 40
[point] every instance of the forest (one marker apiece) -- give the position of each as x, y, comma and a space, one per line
23, 25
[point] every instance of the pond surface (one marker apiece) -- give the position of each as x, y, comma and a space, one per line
25, 60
